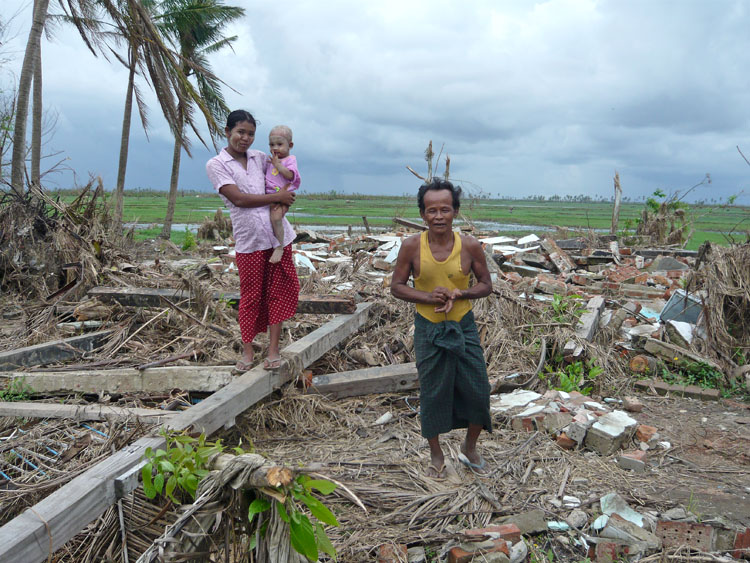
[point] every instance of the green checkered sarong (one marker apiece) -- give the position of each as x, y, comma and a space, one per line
453, 387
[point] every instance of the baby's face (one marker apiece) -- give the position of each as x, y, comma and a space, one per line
279, 145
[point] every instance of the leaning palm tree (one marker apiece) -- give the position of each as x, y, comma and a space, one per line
195, 28
131, 22
22, 101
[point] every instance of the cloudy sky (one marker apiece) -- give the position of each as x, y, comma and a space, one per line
527, 98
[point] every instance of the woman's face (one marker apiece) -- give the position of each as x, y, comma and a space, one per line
241, 137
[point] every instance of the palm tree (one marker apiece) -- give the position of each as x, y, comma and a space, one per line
17, 167
132, 23
195, 28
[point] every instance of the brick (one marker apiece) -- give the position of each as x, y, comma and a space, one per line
578, 279
507, 532
742, 545
556, 421
392, 553
565, 442
609, 433
676, 534
634, 461
466, 552
512, 277
632, 404
644, 432
611, 551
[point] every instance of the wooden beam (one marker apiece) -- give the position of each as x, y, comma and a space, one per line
220, 409
44, 528
409, 224
82, 412
387, 379
125, 380
152, 297
51, 352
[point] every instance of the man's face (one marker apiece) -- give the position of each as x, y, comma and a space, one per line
438, 210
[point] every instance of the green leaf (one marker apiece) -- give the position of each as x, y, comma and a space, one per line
256, 507
303, 538
146, 474
165, 465
320, 511
149, 491
324, 543
191, 484
252, 542
183, 439
325, 487
171, 484
282, 512
159, 482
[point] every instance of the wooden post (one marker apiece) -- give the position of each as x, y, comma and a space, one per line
367, 225
616, 210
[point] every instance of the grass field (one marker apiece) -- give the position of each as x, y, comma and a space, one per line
512, 217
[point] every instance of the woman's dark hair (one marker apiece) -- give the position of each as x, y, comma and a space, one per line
239, 115
439, 184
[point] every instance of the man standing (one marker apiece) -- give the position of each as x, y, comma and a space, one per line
454, 389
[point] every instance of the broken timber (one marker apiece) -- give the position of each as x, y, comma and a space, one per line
37, 532
387, 379
152, 297
82, 412
125, 380
52, 352
409, 224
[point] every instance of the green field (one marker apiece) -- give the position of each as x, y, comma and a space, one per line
492, 215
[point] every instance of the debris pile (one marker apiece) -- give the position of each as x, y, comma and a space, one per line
130, 338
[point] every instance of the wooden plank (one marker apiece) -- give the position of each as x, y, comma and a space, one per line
31, 536
125, 380
409, 224
152, 297
387, 379
82, 412
51, 352
221, 408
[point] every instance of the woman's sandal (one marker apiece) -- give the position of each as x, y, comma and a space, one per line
242, 366
272, 363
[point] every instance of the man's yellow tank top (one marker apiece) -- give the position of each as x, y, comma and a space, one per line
434, 273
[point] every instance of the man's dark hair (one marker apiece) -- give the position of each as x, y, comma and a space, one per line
439, 184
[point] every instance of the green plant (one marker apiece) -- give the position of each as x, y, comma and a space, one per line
189, 240
307, 538
17, 390
181, 466
566, 306
184, 462
574, 376
692, 507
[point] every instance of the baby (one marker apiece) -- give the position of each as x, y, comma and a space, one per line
281, 171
